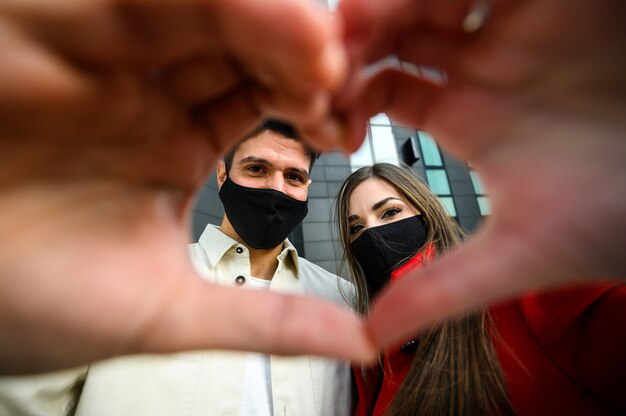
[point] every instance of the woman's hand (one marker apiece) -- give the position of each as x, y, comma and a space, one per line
536, 100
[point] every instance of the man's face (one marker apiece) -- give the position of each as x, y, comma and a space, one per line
271, 161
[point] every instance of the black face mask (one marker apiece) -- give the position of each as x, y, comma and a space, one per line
380, 250
262, 217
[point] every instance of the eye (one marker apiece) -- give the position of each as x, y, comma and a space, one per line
295, 177
391, 212
355, 228
255, 169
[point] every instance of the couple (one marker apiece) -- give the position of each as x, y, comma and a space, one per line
488, 362
134, 102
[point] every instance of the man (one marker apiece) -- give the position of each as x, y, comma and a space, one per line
263, 186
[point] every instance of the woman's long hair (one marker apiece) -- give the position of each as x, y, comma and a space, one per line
455, 370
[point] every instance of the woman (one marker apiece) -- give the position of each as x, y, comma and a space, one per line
534, 355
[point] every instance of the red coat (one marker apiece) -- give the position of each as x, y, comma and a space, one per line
562, 352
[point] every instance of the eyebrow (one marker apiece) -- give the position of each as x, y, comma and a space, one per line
383, 202
254, 159
374, 207
261, 161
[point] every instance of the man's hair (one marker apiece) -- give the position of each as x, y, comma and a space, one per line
281, 128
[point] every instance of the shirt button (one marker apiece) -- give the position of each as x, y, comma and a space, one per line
239, 250
240, 280
409, 347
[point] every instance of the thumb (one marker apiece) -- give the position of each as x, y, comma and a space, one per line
211, 316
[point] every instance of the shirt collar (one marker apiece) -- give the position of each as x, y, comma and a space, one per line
216, 244
290, 254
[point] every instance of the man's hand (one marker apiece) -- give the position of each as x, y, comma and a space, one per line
111, 115
536, 100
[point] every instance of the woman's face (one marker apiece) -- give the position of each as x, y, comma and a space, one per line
375, 202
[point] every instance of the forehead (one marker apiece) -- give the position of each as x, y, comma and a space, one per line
369, 192
275, 149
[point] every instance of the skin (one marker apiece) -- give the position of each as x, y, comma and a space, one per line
535, 100
366, 211
112, 114
267, 161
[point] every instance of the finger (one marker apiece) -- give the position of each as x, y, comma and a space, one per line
207, 316
324, 135
128, 31
302, 48
308, 108
372, 29
404, 97
157, 33
33, 76
228, 119
202, 79
428, 49
281, 70
496, 265
449, 111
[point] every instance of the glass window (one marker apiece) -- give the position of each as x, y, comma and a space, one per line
477, 183
379, 144
430, 151
384, 144
483, 201
483, 205
438, 181
448, 204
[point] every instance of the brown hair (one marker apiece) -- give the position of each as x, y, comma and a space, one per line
281, 128
455, 370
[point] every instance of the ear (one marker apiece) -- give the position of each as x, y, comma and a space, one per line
220, 170
306, 187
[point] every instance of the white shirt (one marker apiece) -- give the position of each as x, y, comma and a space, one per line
257, 384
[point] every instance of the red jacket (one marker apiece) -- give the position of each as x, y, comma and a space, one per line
562, 352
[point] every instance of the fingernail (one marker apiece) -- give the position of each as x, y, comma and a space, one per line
325, 135
348, 142
334, 63
320, 106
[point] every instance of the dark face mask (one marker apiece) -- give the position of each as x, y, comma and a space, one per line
380, 250
262, 217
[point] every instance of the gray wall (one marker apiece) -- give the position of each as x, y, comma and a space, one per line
320, 243
208, 208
